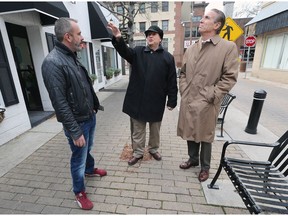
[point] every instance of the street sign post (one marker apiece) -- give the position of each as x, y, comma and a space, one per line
231, 31
250, 41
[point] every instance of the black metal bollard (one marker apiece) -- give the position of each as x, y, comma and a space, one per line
259, 97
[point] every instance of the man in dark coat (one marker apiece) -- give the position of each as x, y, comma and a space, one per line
152, 79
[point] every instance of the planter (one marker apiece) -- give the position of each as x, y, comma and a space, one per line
2, 115
242, 66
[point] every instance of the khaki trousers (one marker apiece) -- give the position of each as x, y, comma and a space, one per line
138, 137
205, 154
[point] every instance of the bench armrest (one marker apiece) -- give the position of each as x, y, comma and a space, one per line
236, 142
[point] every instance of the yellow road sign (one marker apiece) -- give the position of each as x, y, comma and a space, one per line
230, 31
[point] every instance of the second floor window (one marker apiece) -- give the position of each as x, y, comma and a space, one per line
142, 8
140, 42
154, 23
120, 10
165, 6
142, 26
196, 18
165, 25
154, 7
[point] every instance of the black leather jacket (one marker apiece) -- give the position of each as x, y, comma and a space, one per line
60, 71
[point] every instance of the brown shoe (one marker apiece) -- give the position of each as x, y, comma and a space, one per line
188, 164
203, 175
134, 160
156, 156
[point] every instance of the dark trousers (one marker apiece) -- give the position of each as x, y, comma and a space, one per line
205, 153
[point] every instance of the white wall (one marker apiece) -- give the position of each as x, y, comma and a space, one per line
16, 119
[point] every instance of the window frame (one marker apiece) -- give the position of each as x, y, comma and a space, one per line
141, 27
165, 5
277, 56
154, 7
163, 27
11, 97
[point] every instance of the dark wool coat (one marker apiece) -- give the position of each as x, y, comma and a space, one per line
152, 79
209, 71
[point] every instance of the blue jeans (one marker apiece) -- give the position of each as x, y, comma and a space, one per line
81, 160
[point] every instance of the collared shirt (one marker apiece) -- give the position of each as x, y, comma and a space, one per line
204, 42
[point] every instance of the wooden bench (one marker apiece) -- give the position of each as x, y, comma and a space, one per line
228, 98
262, 185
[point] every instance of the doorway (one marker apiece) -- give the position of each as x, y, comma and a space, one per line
25, 68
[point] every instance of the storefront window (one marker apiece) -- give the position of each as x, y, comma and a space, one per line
83, 57
276, 53
108, 58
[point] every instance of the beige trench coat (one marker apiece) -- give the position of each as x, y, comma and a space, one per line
208, 72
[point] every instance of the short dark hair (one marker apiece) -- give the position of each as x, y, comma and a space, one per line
220, 18
62, 26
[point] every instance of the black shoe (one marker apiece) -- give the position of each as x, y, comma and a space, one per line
156, 156
134, 160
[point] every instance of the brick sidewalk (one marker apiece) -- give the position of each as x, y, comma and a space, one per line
41, 184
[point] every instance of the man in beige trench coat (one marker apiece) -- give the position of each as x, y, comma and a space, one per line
209, 71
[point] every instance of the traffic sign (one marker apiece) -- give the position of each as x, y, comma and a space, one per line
250, 41
231, 30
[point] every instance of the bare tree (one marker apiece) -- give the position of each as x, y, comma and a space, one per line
248, 9
126, 12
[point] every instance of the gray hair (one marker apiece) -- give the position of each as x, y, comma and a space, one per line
220, 18
62, 26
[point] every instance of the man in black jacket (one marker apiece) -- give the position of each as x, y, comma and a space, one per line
152, 79
75, 103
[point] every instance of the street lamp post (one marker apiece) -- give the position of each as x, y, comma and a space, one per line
191, 23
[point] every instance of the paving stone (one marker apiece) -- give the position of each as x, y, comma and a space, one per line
161, 196
62, 187
207, 209
51, 201
37, 184
82, 212
153, 188
6, 195
109, 192
55, 210
30, 207
238, 211
17, 182
105, 207
26, 198
15, 189
119, 200
9, 204
122, 186
161, 182
161, 212
178, 206
175, 190
56, 180
43, 192
122, 209
136, 180
134, 194
147, 203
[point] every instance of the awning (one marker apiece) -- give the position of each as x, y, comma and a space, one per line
98, 23
49, 11
272, 23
